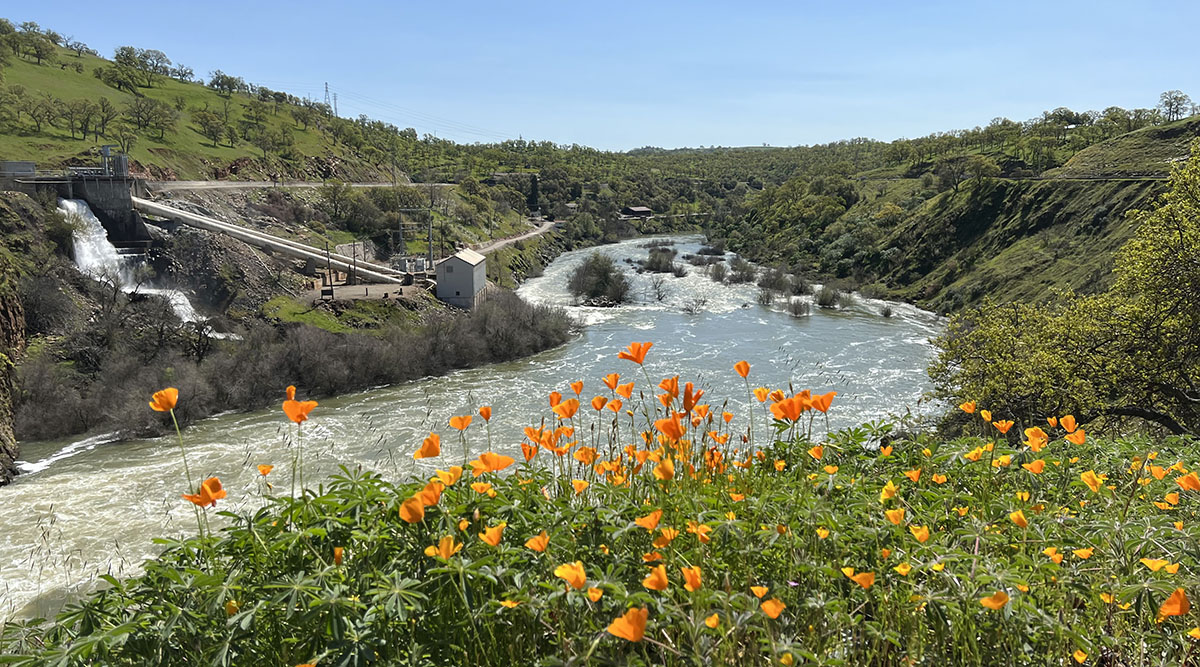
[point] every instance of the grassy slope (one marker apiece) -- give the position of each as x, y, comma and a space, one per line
1148, 152
1015, 240
184, 154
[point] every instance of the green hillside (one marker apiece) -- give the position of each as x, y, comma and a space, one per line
184, 153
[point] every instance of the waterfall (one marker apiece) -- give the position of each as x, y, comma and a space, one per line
97, 257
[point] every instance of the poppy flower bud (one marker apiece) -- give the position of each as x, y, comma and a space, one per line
475, 516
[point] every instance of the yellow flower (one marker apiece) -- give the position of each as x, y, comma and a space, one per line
1079, 656
888, 492
896, 516
509, 603
1018, 518
822, 533
903, 569
1092, 480
919, 532
712, 621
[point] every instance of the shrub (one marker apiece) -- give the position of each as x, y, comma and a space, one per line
741, 271
828, 297
717, 272
599, 281
799, 307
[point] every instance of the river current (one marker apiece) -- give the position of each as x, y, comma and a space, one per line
93, 506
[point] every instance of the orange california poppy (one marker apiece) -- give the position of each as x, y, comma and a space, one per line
567, 409
650, 521
490, 462
482, 487
888, 491
538, 542
913, 475
431, 494
632, 625
209, 493
448, 478
995, 601
598, 403
164, 400
594, 594
1067, 422
297, 411
1036, 467
773, 607
636, 352
493, 534
864, 579
968, 407
412, 510
1003, 425
572, 573
986, 415
920, 532
611, 380
338, 552
742, 368
759, 591
670, 427
1077, 437
432, 446
615, 405
1018, 517
691, 577
1176, 605
290, 392
265, 469
460, 423
486, 413
896, 516
816, 451
1084, 553
1052, 421
885, 451
691, 397
821, 402
580, 485
577, 387
625, 390
657, 579
1189, 482
445, 548
555, 398
529, 451
789, 409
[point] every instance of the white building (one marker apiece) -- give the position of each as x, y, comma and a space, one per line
461, 278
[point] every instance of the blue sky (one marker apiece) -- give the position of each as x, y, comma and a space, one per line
619, 75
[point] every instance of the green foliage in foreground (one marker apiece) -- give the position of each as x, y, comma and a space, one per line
1132, 352
266, 589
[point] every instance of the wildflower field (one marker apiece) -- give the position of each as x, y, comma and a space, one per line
641, 523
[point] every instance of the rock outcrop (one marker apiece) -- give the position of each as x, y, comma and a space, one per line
18, 235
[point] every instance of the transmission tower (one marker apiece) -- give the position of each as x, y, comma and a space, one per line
327, 102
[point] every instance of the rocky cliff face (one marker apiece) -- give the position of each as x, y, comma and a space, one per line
18, 238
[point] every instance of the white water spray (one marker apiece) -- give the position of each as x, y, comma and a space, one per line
96, 256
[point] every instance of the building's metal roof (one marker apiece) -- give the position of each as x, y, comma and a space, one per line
469, 256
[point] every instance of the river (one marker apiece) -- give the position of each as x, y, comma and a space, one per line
93, 506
